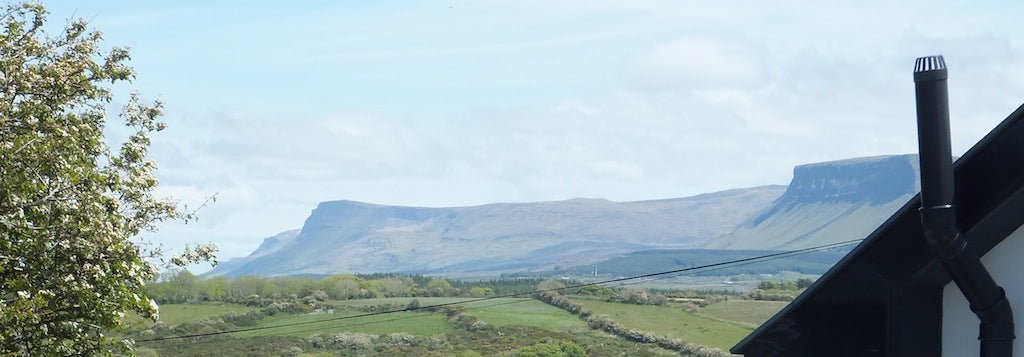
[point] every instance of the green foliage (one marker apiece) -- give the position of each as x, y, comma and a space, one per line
639, 296
215, 289
439, 287
551, 285
295, 286
804, 283
399, 286
778, 290
341, 286
501, 286
477, 291
550, 348
780, 285
181, 286
344, 341
246, 286
69, 204
771, 295
596, 290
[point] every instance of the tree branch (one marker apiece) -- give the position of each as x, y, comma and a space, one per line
26, 145
48, 197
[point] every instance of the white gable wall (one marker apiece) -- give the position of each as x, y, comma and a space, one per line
960, 326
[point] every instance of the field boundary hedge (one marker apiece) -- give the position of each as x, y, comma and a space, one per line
607, 324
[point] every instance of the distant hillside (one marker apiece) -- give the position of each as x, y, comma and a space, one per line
829, 202
825, 203
269, 245
347, 236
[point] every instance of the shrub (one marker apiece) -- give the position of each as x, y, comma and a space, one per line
477, 325
291, 352
346, 341
438, 342
250, 318
414, 304
549, 348
401, 339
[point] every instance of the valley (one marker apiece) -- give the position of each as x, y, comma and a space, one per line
585, 320
684, 276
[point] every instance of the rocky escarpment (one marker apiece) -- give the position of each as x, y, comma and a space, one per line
825, 203
829, 202
356, 237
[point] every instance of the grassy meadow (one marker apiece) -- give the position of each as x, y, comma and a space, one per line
503, 327
670, 321
750, 313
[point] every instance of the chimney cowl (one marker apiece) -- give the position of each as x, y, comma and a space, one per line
930, 68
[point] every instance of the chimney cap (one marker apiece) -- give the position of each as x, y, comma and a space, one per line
930, 68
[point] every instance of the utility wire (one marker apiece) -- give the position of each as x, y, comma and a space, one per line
345, 325
405, 317
719, 265
787, 254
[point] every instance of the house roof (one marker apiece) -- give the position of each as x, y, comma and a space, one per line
894, 260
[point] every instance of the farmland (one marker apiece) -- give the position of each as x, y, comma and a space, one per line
750, 313
671, 322
499, 326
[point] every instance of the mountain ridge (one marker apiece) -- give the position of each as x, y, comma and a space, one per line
828, 203
824, 203
365, 238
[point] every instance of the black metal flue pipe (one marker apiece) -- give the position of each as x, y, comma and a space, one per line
938, 216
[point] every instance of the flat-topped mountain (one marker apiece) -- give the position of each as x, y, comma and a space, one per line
356, 237
825, 203
829, 202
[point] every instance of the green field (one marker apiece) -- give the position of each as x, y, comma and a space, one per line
512, 324
304, 325
174, 314
751, 313
495, 312
670, 321
526, 312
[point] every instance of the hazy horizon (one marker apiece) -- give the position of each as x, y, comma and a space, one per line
275, 107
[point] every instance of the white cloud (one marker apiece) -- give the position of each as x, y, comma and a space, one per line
698, 61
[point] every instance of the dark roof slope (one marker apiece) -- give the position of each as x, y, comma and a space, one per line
891, 280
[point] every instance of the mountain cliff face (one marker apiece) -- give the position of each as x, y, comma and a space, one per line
825, 203
829, 202
355, 237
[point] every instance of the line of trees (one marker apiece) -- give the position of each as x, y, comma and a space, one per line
182, 287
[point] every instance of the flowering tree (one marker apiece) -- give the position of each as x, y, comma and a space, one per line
69, 205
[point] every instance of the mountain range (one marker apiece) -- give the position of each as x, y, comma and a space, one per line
825, 202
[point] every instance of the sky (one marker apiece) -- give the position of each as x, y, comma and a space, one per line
276, 106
